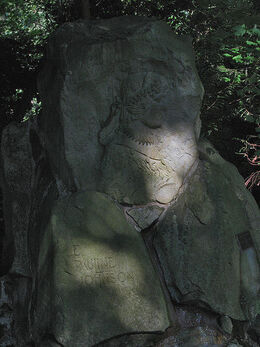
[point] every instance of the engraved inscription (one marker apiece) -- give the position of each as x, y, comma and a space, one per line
101, 271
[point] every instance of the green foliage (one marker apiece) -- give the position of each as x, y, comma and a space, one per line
242, 72
34, 110
24, 29
24, 19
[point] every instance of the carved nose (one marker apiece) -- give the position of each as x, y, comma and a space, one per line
153, 120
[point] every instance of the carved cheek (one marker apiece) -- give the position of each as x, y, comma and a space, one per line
153, 120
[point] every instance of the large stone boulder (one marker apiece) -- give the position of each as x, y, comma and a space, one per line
121, 221
95, 278
208, 241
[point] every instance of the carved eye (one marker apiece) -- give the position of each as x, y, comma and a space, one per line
153, 120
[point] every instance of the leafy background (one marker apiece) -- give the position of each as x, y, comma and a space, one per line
226, 38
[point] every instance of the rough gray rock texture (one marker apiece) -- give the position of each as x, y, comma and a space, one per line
194, 337
115, 151
132, 340
226, 324
16, 184
29, 190
98, 271
197, 242
6, 313
144, 217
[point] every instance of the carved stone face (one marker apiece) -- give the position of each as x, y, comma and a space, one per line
150, 142
127, 109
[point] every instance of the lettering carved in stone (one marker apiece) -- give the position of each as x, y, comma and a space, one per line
101, 271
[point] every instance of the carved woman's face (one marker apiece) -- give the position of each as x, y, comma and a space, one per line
152, 146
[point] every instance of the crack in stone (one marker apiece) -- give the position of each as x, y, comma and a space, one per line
194, 214
190, 172
124, 145
148, 237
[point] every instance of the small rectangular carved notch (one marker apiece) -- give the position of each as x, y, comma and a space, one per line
245, 240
